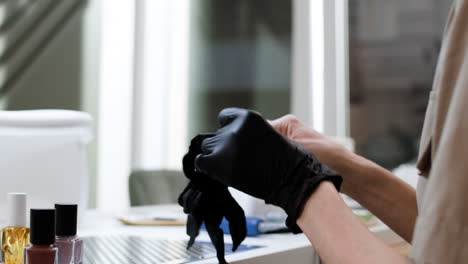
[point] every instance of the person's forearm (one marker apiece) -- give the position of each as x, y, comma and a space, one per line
389, 198
337, 235
377, 189
386, 196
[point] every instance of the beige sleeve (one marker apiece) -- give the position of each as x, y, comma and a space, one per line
441, 233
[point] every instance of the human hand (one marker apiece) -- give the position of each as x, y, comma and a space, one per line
326, 149
251, 156
372, 186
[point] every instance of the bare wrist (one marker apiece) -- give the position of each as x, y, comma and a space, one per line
357, 174
320, 197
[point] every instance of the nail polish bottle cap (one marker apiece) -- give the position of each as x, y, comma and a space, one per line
16, 209
66, 219
42, 226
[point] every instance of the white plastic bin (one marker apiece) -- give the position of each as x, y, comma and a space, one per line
43, 153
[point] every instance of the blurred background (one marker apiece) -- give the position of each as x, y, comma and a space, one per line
153, 74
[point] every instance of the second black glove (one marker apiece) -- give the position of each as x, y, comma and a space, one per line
208, 201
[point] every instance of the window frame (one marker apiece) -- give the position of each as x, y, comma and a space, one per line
114, 104
320, 85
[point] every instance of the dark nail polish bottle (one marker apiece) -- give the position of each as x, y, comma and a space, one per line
42, 249
69, 245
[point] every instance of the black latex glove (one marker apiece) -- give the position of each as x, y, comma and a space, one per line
206, 200
251, 156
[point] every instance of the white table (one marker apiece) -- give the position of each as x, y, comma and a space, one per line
277, 248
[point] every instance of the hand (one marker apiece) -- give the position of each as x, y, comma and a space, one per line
251, 156
374, 187
327, 150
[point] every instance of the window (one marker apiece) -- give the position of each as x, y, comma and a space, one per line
240, 56
394, 47
168, 67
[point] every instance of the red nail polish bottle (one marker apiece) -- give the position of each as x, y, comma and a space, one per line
42, 249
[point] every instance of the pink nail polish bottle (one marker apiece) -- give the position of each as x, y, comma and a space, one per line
42, 249
70, 246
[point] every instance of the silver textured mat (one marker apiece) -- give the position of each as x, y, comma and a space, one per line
138, 250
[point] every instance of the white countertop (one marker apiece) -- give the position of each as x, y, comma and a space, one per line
277, 248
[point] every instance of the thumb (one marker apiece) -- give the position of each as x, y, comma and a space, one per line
286, 124
205, 160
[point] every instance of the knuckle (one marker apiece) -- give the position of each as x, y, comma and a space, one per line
253, 116
291, 119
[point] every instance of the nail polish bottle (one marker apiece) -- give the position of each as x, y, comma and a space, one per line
42, 249
66, 240
15, 236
